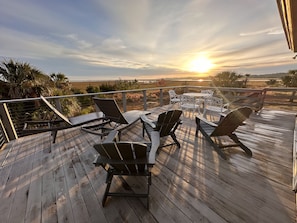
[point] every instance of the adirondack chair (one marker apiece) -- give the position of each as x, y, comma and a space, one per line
165, 125
126, 158
59, 121
225, 127
116, 119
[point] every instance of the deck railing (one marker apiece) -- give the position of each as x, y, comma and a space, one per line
14, 113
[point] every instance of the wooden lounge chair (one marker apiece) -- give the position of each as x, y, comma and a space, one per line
117, 120
225, 127
165, 125
126, 158
59, 121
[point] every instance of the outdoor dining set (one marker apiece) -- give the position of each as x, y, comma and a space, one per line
199, 102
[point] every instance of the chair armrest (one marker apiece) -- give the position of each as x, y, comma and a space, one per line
41, 125
28, 124
43, 122
155, 143
104, 160
145, 119
112, 136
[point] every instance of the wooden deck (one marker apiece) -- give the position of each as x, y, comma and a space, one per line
44, 182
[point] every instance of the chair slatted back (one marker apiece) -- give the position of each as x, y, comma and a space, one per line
110, 109
167, 121
174, 98
126, 153
232, 121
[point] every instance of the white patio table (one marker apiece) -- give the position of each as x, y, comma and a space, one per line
198, 99
197, 95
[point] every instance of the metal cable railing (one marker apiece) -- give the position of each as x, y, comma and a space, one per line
14, 113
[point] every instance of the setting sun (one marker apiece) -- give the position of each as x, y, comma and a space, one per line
200, 64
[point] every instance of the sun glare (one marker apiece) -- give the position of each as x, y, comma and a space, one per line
200, 65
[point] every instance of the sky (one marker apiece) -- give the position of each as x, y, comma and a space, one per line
144, 39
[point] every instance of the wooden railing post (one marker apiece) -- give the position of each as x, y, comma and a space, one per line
264, 91
7, 122
58, 104
144, 100
124, 99
292, 97
161, 97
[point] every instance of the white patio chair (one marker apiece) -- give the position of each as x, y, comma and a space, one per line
209, 94
207, 91
214, 106
189, 104
174, 98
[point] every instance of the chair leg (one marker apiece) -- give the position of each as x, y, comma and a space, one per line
108, 181
214, 145
149, 182
197, 126
143, 130
242, 146
54, 135
119, 135
173, 136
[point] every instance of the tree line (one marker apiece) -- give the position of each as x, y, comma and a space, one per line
21, 80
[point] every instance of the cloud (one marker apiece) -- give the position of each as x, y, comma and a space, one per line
270, 31
113, 44
81, 44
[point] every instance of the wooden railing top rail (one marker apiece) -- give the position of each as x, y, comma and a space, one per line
151, 89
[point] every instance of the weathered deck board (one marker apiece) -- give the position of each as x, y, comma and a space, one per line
44, 182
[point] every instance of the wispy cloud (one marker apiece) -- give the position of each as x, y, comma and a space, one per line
269, 31
142, 37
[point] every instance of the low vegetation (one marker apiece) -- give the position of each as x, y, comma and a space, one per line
21, 80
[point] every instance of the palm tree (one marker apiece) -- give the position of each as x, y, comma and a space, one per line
61, 81
22, 80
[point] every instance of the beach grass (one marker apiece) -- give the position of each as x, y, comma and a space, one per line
82, 85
